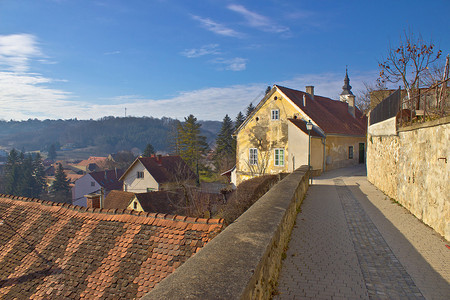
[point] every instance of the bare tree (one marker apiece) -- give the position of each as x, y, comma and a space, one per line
369, 97
408, 62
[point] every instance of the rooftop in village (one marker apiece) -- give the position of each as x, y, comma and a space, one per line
54, 250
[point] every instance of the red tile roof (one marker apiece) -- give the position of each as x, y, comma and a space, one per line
332, 116
301, 124
166, 168
118, 199
60, 251
108, 179
161, 201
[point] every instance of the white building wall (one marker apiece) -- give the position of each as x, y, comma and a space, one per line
139, 185
298, 149
83, 186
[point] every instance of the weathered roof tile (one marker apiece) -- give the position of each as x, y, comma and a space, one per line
70, 252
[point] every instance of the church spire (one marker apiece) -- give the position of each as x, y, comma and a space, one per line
347, 88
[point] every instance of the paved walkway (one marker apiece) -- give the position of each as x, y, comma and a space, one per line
351, 242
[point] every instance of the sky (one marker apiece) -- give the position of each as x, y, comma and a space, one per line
64, 59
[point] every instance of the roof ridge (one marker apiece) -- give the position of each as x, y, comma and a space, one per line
115, 211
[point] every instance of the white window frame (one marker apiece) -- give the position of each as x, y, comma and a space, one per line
278, 157
253, 156
275, 114
350, 152
140, 174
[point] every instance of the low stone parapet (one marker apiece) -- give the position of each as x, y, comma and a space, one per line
244, 260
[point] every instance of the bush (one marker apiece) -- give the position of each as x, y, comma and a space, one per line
247, 193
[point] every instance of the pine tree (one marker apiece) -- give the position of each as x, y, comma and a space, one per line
225, 145
39, 176
250, 108
239, 120
52, 152
13, 173
192, 145
149, 151
61, 188
26, 181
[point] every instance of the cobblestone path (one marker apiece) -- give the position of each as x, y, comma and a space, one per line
351, 242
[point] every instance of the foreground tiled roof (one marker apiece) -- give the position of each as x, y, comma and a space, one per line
59, 251
332, 116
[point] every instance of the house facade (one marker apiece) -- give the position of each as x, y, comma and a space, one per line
274, 139
101, 182
148, 174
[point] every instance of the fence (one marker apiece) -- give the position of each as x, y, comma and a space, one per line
387, 108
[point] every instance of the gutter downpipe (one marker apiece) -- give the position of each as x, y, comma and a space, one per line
324, 156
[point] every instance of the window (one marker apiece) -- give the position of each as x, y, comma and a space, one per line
279, 157
92, 183
350, 152
140, 174
275, 115
135, 205
150, 190
253, 157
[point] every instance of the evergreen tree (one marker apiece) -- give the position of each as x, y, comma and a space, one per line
52, 152
61, 188
26, 184
239, 120
250, 108
192, 145
39, 176
268, 89
225, 145
149, 150
12, 173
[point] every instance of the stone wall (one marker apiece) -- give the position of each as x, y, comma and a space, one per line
412, 168
244, 260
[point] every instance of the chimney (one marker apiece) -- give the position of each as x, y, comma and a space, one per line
158, 158
310, 91
351, 104
93, 200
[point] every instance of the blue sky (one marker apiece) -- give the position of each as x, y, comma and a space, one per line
92, 58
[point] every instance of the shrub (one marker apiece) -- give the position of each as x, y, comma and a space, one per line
247, 193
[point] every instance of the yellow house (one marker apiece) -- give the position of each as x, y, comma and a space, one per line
274, 139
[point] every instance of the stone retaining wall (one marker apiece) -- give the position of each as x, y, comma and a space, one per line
412, 167
244, 260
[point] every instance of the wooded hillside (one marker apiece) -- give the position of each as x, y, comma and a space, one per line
108, 134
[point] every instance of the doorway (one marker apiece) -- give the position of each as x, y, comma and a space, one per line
361, 153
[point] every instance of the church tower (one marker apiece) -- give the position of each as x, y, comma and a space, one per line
347, 95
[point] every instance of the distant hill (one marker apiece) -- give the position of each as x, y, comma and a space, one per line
107, 135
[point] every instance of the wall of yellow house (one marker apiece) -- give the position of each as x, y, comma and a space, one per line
265, 134
138, 205
337, 151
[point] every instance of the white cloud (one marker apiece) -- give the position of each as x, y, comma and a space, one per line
23, 97
16, 50
258, 21
217, 28
233, 64
211, 49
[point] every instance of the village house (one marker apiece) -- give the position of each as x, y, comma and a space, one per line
274, 137
155, 202
61, 251
101, 182
156, 173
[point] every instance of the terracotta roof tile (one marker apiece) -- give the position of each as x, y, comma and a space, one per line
332, 116
73, 253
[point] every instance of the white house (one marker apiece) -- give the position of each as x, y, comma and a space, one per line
96, 182
156, 173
